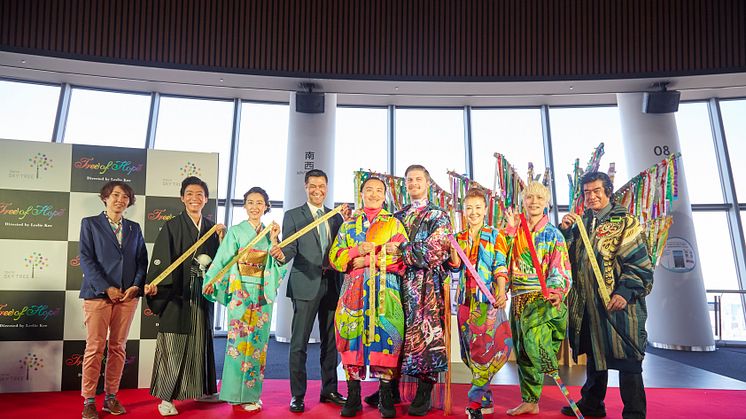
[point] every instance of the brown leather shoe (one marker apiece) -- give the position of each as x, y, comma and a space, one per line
113, 406
89, 411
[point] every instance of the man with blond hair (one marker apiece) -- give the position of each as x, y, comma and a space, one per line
539, 272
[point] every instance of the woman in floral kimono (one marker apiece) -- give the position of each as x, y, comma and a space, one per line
484, 330
369, 320
248, 289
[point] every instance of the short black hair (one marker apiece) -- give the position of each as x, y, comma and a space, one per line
194, 180
108, 188
418, 167
316, 173
373, 178
260, 191
594, 176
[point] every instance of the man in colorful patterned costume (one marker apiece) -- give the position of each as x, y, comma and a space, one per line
428, 226
537, 263
612, 334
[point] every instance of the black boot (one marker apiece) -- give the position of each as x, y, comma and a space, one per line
386, 402
372, 399
353, 403
473, 413
421, 403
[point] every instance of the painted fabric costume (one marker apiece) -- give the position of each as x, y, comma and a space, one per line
538, 328
248, 290
618, 242
484, 331
425, 308
369, 321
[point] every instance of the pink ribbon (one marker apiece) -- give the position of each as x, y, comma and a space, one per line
469, 267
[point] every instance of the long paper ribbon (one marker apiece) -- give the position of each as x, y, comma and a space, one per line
471, 269
602, 291
312, 226
188, 253
534, 257
240, 254
555, 375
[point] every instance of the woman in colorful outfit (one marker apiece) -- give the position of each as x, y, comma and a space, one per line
369, 320
538, 323
484, 330
248, 290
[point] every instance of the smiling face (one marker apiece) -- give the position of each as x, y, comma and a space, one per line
475, 208
194, 199
117, 201
594, 195
418, 184
374, 193
534, 204
255, 207
316, 190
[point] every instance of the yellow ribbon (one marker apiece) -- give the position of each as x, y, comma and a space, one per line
372, 297
311, 226
602, 290
166, 272
240, 254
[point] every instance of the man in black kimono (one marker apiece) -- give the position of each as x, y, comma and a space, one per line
184, 364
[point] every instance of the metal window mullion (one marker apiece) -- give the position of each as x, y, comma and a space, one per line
63, 109
391, 140
155, 106
729, 192
546, 134
468, 155
233, 162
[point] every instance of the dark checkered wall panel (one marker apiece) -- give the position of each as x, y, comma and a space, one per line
45, 190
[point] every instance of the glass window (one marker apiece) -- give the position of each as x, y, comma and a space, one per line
698, 154
197, 125
576, 132
734, 121
262, 150
514, 133
27, 111
107, 118
715, 252
361, 143
433, 138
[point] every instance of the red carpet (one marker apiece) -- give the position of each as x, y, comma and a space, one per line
662, 403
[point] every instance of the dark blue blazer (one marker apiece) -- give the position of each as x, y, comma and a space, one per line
106, 264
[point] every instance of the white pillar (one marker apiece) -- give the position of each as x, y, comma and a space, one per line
310, 146
678, 317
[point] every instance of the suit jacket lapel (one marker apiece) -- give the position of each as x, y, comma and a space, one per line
103, 224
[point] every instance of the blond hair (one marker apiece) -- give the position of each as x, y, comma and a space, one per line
536, 188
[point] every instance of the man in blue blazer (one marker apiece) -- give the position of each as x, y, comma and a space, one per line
313, 288
113, 258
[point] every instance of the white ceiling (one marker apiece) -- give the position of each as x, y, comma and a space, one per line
356, 92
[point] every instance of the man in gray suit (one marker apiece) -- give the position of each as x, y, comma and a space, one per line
314, 289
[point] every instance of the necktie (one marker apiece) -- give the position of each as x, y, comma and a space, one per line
323, 234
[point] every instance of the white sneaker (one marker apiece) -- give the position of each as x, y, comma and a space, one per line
167, 409
208, 398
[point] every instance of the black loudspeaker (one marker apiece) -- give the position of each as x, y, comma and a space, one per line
666, 101
306, 102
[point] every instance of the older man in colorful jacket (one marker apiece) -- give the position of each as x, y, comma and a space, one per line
612, 334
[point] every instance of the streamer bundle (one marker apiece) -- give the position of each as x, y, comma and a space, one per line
396, 191
649, 196
576, 199
460, 184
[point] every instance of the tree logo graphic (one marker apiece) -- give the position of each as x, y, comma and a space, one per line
31, 362
36, 261
40, 161
190, 169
